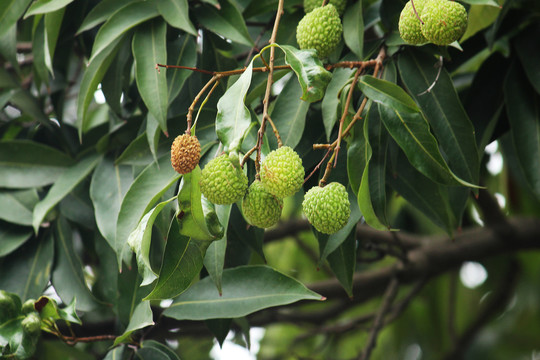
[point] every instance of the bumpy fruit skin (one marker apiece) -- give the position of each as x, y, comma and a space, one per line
310, 5
327, 208
282, 173
221, 182
28, 306
321, 30
410, 27
444, 21
261, 208
185, 153
31, 324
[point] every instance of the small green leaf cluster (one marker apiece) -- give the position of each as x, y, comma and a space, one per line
321, 29
440, 22
20, 326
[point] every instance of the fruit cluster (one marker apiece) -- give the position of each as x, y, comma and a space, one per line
320, 28
440, 22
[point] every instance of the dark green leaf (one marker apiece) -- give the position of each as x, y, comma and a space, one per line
480, 17
141, 318
386, 93
149, 48
220, 328
161, 347
116, 353
53, 22
175, 12
50, 310
10, 12
16, 205
26, 272
101, 12
137, 152
143, 193
182, 52
226, 21
151, 353
353, 29
120, 22
152, 134
63, 186
482, 2
46, 6
13, 237
246, 289
330, 103
342, 261
25, 164
311, 74
68, 277
528, 50
356, 156
214, 260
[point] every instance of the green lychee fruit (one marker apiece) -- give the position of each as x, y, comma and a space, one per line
31, 324
261, 208
222, 182
327, 208
28, 306
321, 30
310, 5
282, 173
410, 26
444, 21
185, 153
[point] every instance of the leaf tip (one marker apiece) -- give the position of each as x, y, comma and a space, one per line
323, 298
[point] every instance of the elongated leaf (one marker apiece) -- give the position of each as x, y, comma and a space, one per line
139, 241
25, 164
46, 6
67, 276
353, 29
109, 184
356, 156
149, 48
182, 261
101, 12
523, 109
13, 237
214, 260
38, 50
330, 103
480, 17
176, 13
143, 193
92, 77
141, 318
225, 21
10, 12
152, 344
63, 186
342, 261
16, 206
182, 52
528, 50
386, 93
482, 2
115, 353
53, 22
444, 112
246, 289
311, 74
289, 114
120, 22
411, 132
233, 117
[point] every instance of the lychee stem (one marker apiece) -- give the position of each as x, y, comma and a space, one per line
416, 13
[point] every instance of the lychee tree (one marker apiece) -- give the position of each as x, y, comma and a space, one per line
176, 173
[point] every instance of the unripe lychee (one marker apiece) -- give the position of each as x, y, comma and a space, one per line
410, 26
321, 30
185, 153
282, 173
327, 208
261, 208
444, 21
221, 182
310, 5
31, 324
28, 306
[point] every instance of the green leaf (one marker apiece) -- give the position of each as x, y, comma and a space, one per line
152, 344
182, 52
49, 310
152, 134
386, 93
523, 109
13, 237
63, 186
16, 205
139, 241
137, 152
120, 22
289, 114
68, 277
143, 193
214, 260
331, 102
226, 21
53, 22
151, 354
233, 117
444, 112
116, 353
10, 12
141, 318
342, 261
411, 132
482, 2
38, 49
356, 156
149, 48
25, 164
91, 78
528, 51
176, 13
26, 271
182, 261
129, 294
480, 17
101, 12
109, 184
220, 328
246, 289
353, 29
311, 74
46, 6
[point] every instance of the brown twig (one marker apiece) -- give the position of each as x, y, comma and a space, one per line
191, 108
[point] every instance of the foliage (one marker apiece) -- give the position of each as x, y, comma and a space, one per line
97, 225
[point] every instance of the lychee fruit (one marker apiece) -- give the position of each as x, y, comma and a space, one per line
222, 182
410, 25
282, 173
444, 21
327, 208
261, 208
321, 30
185, 153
